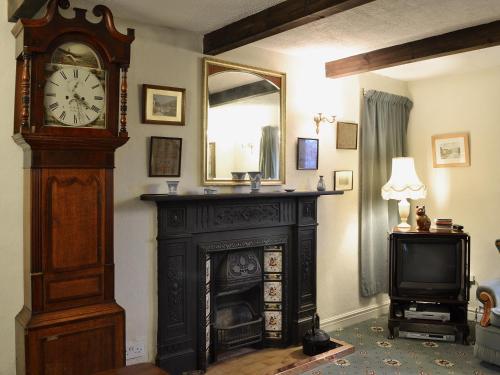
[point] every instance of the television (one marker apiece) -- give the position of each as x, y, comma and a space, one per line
430, 266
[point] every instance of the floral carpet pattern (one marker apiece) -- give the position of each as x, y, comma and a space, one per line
376, 355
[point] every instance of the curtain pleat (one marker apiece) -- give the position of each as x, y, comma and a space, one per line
269, 150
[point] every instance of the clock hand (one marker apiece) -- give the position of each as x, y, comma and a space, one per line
81, 100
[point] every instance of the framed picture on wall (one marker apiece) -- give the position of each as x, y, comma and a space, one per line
342, 180
307, 153
165, 157
347, 136
163, 105
450, 150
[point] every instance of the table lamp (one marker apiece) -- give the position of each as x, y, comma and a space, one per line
404, 184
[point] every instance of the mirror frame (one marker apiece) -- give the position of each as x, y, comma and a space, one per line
228, 66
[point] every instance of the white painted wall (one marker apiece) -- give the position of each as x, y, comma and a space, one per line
469, 195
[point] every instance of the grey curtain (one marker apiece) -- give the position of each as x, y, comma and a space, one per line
384, 121
269, 152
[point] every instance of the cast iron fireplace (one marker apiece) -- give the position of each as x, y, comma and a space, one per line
233, 270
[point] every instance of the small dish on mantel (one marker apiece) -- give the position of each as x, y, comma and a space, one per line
289, 190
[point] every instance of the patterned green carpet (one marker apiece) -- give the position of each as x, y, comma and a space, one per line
376, 355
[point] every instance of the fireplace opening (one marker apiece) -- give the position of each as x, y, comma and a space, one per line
238, 308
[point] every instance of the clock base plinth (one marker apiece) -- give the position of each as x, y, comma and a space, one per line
78, 341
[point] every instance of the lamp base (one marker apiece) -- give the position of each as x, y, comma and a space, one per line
404, 212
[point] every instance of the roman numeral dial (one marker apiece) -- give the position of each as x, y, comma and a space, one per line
74, 97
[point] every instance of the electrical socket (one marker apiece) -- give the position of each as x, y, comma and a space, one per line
135, 349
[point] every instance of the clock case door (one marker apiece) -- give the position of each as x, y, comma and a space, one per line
70, 322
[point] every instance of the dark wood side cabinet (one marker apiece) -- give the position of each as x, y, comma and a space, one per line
429, 284
194, 228
70, 323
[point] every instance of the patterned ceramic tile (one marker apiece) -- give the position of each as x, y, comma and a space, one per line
273, 320
207, 304
273, 248
272, 291
207, 337
207, 272
272, 306
272, 261
273, 276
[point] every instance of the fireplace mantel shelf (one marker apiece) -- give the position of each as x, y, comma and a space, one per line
274, 194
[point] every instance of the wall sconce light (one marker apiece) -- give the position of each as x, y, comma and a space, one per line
319, 118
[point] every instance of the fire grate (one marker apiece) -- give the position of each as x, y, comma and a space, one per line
237, 325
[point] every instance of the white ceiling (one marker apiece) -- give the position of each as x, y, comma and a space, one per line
380, 24
200, 16
372, 26
454, 64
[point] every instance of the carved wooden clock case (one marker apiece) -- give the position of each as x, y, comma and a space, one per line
70, 116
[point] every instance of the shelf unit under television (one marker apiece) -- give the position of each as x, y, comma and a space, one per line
457, 325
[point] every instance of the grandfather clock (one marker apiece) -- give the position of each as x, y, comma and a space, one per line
70, 116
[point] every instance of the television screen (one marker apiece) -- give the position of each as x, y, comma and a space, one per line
429, 267
429, 263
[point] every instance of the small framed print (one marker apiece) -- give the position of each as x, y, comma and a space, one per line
342, 180
307, 153
450, 150
163, 105
347, 136
165, 157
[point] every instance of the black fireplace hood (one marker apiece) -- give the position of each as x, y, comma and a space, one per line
239, 271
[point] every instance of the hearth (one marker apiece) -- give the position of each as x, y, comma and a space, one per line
234, 270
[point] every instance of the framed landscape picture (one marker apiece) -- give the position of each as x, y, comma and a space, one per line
450, 150
342, 180
165, 157
307, 153
347, 136
163, 105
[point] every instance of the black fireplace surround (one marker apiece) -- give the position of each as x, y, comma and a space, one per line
233, 270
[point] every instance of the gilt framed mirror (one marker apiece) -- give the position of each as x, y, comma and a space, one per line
243, 124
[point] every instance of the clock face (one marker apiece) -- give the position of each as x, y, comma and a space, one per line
75, 89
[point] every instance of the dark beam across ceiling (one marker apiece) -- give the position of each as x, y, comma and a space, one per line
23, 8
276, 19
249, 90
469, 39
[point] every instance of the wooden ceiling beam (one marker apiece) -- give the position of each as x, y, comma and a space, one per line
23, 8
276, 19
463, 40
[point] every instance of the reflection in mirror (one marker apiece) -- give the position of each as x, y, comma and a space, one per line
244, 124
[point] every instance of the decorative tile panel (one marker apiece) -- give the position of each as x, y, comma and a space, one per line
272, 291
207, 272
269, 306
273, 320
273, 276
208, 278
207, 304
272, 261
207, 336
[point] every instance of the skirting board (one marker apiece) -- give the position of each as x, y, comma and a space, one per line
354, 317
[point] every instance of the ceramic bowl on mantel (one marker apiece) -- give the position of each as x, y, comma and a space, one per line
238, 175
172, 187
